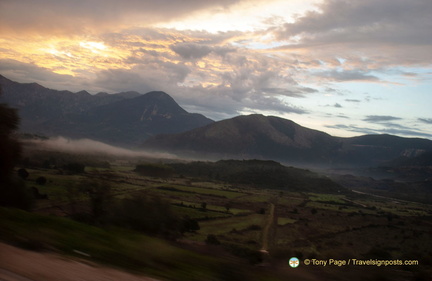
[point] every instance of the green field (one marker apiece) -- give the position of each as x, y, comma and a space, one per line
304, 224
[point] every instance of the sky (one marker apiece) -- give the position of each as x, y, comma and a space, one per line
346, 67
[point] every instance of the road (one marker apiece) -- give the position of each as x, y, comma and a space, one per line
21, 265
267, 227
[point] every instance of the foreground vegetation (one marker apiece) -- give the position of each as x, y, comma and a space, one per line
210, 221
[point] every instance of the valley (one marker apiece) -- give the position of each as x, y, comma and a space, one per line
259, 227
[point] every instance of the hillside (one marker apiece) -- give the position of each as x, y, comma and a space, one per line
253, 136
269, 137
123, 119
260, 174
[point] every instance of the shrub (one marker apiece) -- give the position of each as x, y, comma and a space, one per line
149, 214
212, 240
154, 170
22, 173
41, 180
74, 167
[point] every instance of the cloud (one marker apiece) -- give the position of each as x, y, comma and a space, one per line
406, 132
352, 128
425, 120
28, 72
347, 75
52, 16
380, 118
191, 50
352, 100
367, 35
143, 77
402, 131
89, 146
364, 22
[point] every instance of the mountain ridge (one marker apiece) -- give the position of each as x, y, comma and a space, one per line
270, 137
155, 121
110, 118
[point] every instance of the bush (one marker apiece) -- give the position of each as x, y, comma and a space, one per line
15, 194
189, 225
154, 170
149, 214
254, 257
76, 168
212, 240
41, 180
22, 173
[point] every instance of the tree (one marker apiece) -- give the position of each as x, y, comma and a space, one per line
212, 240
12, 192
189, 225
9, 147
150, 214
41, 180
204, 205
75, 168
99, 193
22, 173
228, 206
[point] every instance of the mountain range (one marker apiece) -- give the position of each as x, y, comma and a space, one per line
125, 119
155, 121
269, 137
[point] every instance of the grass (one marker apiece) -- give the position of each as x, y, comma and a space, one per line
117, 247
213, 208
226, 225
340, 224
328, 198
204, 191
285, 221
197, 213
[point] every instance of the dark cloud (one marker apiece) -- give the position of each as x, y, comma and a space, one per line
143, 78
352, 128
380, 118
425, 120
284, 92
403, 131
365, 22
76, 16
406, 132
347, 75
191, 50
352, 100
335, 105
27, 72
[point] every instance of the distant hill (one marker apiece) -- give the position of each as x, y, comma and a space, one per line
126, 118
269, 137
253, 136
259, 174
376, 150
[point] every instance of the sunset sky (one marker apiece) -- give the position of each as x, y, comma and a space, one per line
346, 67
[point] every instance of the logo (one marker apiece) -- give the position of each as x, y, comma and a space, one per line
294, 262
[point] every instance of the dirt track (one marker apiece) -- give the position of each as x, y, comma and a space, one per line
20, 265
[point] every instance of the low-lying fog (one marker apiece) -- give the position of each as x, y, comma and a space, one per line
88, 146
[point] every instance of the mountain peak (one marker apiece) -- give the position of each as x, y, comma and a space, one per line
251, 136
83, 93
158, 94
125, 118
